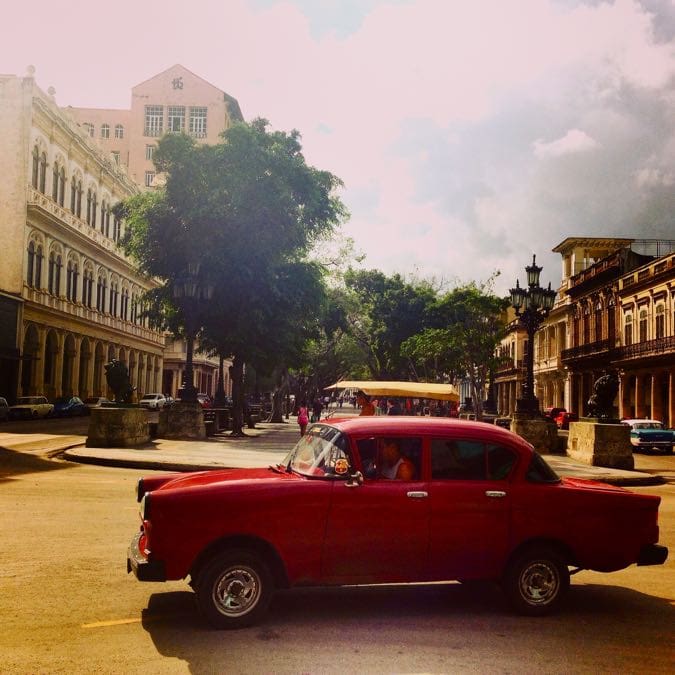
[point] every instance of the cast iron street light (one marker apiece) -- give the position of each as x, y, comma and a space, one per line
532, 305
188, 291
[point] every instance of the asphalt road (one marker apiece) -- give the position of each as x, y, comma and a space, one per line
68, 606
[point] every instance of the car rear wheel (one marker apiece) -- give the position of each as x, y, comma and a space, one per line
536, 580
234, 589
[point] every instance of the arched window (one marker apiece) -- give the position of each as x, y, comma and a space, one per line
54, 279
611, 321
58, 183
105, 131
628, 330
643, 327
660, 321
104, 206
55, 181
89, 196
87, 286
114, 293
72, 276
119, 131
43, 172
36, 167
125, 304
30, 267
78, 204
101, 288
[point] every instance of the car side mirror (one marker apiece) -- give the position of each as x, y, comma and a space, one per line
355, 480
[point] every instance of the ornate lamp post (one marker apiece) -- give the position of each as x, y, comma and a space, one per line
532, 305
188, 291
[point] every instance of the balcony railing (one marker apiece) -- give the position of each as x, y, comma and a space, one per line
590, 349
664, 345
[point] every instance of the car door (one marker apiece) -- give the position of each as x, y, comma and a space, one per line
378, 531
470, 507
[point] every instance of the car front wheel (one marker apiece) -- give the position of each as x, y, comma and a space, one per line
234, 589
536, 580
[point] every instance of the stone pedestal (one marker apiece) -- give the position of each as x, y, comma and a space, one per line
541, 433
181, 420
117, 428
601, 444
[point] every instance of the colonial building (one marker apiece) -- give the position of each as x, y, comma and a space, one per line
69, 297
645, 356
174, 101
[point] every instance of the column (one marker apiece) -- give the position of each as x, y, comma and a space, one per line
58, 365
624, 396
75, 373
656, 412
671, 399
37, 376
639, 397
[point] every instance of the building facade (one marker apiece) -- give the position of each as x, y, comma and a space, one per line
174, 101
69, 297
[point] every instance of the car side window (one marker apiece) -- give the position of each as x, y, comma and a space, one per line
453, 459
500, 461
391, 457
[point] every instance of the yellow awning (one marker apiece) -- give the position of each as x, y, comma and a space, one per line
442, 392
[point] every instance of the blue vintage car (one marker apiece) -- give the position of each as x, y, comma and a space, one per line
69, 406
649, 435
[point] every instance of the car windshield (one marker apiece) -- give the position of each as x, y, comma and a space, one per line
322, 451
648, 425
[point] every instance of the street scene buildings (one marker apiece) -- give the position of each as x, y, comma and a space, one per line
615, 310
70, 299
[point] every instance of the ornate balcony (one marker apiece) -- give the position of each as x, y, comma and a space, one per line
590, 349
658, 347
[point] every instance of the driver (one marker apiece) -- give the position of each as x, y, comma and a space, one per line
395, 466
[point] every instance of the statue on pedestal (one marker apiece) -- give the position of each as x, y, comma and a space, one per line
601, 403
117, 376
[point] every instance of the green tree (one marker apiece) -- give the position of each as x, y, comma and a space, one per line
466, 326
387, 310
244, 213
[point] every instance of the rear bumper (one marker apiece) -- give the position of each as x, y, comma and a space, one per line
144, 569
652, 554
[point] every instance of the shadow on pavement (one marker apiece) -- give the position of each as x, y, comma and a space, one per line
308, 628
13, 463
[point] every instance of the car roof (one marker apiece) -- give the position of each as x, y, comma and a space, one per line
634, 421
403, 424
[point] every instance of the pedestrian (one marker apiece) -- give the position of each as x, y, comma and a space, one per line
303, 417
394, 407
317, 409
363, 400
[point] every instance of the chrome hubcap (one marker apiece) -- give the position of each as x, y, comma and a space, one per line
539, 583
236, 592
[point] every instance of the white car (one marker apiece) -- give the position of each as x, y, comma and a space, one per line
31, 407
153, 401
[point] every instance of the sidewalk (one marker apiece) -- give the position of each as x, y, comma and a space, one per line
266, 444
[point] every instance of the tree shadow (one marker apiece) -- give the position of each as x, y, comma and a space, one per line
13, 463
316, 623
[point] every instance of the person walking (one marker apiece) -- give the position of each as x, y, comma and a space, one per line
303, 417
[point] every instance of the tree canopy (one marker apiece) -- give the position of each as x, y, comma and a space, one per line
239, 216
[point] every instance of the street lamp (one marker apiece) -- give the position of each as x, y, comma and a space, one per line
188, 291
532, 305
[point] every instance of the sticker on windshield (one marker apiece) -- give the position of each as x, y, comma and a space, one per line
341, 466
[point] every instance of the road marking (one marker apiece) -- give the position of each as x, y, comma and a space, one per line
115, 622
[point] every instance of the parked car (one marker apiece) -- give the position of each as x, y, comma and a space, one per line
70, 406
563, 419
96, 401
477, 503
30, 407
4, 409
204, 400
649, 435
153, 401
552, 413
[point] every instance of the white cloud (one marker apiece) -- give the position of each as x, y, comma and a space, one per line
572, 142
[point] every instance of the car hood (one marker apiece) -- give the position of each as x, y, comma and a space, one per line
217, 477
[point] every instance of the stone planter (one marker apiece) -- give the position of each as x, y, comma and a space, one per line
117, 428
182, 420
541, 433
601, 444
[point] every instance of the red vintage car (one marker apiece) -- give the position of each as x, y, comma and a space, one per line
388, 499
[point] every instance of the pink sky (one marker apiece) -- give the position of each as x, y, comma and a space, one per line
469, 134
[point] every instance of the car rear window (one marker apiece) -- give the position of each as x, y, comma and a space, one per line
540, 472
453, 459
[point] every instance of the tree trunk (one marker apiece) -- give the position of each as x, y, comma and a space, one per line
237, 397
278, 395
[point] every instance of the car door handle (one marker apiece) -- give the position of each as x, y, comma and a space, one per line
413, 494
497, 494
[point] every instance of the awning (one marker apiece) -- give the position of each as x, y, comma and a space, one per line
442, 392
